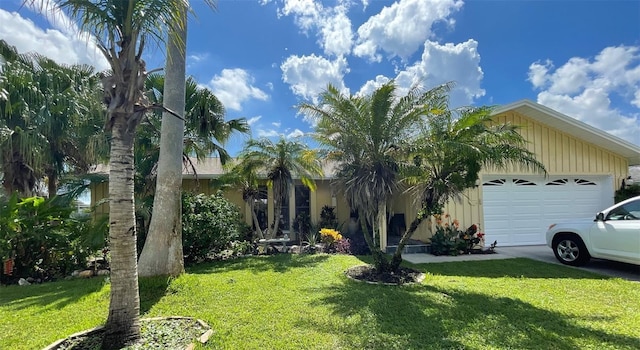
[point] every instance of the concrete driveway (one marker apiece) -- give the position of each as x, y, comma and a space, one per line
537, 252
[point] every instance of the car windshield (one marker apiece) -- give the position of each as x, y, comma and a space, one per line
628, 211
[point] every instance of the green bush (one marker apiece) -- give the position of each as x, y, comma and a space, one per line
627, 192
46, 238
209, 225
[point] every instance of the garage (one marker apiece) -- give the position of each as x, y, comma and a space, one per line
519, 209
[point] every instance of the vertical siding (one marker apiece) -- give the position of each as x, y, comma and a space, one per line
99, 192
562, 154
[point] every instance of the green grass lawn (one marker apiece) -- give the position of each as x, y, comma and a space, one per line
306, 302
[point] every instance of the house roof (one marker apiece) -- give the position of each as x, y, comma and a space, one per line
210, 168
574, 128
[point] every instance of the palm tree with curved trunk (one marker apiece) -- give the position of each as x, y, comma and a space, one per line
243, 177
448, 154
281, 162
121, 28
367, 135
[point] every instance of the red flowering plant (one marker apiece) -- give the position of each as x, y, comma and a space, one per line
473, 239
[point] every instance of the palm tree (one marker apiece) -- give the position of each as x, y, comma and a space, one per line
205, 131
121, 28
448, 154
49, 120
367, 136
162, 252
244, 178
281, 161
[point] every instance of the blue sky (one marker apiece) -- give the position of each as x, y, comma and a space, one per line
261, 57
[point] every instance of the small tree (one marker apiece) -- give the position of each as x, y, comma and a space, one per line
281, 161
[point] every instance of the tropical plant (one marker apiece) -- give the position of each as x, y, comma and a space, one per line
383, 139
449, 153
243, 177
210, 224
49, 121
46, 238
202, 132
328, 217
281, 162
121, 29
367, 136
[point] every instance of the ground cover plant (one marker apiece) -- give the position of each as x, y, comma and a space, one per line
305, 301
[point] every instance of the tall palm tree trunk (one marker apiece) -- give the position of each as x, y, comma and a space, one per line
122, 325
162, 253
256, 222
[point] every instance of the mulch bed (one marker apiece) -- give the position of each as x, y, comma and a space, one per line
368, 274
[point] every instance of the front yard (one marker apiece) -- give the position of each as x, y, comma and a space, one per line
306, 302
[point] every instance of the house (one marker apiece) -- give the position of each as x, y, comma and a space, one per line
585, 166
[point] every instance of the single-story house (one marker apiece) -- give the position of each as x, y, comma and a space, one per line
585, 166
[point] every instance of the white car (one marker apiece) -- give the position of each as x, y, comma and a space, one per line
613, 235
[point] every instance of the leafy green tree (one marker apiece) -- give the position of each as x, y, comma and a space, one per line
121, 29
281, 162
50, 120
448, 155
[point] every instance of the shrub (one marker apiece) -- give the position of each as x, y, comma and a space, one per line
302, 225
445, 241
343, 246
627, 192
328, 217
46, 238
209, 224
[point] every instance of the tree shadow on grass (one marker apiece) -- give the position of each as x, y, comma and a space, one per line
151, 290
516, 267
262, 263
429, 317
55, 295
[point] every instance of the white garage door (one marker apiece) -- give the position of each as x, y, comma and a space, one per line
518, 210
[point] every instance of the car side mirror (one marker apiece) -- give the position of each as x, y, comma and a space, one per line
599, 217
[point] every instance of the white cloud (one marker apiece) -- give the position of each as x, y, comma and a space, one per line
370, 86
440, 64
195, 58
295, 133
309, 75
333, 25
276, 124
254, 120
586, 88
63, 45
400, 29
267, 133
234, 87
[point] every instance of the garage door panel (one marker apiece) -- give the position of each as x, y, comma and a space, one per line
518, 210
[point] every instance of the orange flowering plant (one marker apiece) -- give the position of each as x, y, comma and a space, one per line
449, 239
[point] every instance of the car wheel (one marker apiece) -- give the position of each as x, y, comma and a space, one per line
570, 250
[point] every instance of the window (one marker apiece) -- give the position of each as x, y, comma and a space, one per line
498, 182
261, 207
629, 211
302, 200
